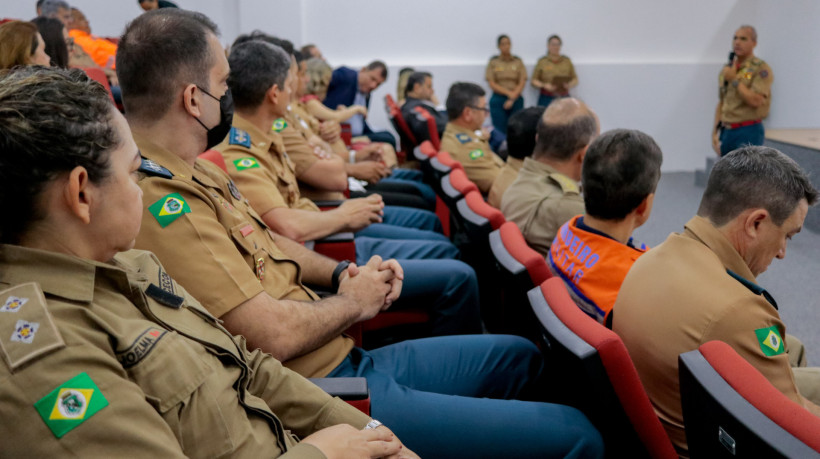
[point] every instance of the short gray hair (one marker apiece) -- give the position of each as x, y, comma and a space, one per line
755, 177
49, 8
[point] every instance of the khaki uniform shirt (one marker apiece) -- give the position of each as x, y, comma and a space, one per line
539, 201
216, 246
269, 180
546, 69
756, 75
480, 163
503, 180
306, 121
678, 296
117, 360
507, 73
301, 154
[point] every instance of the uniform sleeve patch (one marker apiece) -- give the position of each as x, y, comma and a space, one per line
169, 208
771, 343
239, 137
463, 138
71, 404
141, 347
475, 154
245, 163
27, 331
764, 73
280, 125
151, 168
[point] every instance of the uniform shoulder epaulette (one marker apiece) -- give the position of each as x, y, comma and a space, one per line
151, 168
494, 57
27, 330
567, 184
239, 137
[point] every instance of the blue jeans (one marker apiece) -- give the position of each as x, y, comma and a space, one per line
450, 397
409, 217
499, 115
732, 139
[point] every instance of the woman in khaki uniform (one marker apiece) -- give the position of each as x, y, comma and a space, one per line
506, 76
554, 74
103, 354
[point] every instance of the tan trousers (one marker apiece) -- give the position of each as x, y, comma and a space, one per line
806, 378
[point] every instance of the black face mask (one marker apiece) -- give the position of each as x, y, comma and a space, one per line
217, 133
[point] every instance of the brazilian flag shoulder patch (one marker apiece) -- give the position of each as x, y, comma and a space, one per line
169, 208
475, 154
245, 163
70, 404
279, 125
771, 343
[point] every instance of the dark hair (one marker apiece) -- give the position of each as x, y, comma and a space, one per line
51, 121
755, 177
52, 32
414, 79
566, 127
160, 50
621, 168
286, 45
255, 67
521, 130
461, 96
378, 65
501, 37
554, 36
306, 49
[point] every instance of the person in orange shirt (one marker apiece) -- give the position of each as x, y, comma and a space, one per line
593, 252
100, 49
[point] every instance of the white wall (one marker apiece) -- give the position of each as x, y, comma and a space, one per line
642, 64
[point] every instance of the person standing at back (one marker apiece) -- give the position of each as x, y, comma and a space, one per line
506, 75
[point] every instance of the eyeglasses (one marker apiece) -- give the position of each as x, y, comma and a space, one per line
483, 109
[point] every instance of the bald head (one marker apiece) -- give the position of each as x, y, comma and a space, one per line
567, 127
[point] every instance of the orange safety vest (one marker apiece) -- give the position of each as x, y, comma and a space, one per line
593, 267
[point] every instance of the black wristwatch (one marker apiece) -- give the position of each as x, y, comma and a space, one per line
334, 278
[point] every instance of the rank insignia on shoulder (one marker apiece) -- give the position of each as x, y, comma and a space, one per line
169, 208
567, 184
151, 168
71, 404
24, 331
245, 163
463, 138
475, 154
13, 304
771, 343
239, 137
280, 125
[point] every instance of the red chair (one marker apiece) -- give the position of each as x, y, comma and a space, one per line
520, 268
99, 76
731, 410
407, 140
455, 186
477, 217
597, 376
432, 129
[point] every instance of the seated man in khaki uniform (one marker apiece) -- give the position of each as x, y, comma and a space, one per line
700, 285
104, 355
521, 133
462, 138
546, 194
220, 250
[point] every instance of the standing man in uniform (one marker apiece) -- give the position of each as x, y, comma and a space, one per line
745, 90
701, 285
463, 139
435, 393
546, 194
